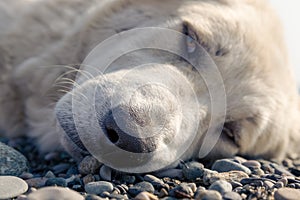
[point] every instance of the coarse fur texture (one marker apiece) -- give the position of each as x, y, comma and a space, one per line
243, 37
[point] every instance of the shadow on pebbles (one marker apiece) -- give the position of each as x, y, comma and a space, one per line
26, 175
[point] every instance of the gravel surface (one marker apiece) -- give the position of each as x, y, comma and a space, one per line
57, 176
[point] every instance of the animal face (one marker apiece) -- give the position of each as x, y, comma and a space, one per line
151, 107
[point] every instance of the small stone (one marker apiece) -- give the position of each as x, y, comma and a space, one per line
93, 197
295, 171
88, 165
12, 162
279, 185
252, 164
238, 189
258, 172
284, 180
280, 170
141, 187
193, 170
292, 185
268, 184
193, 186
171, 173
226, 165
209, 195
221, 186
274, 177
36, 182
11, 186
235, 184
98, 187
287, 194
49, 193
26, 175
182, 191
88, 178
121, 189
210, 177
49, 174
163, 192
287, 163
127, 179
60, 168
56, 182
145, 196
239, 159
156, 182
51, 156
105, 173
73, 170
231, 196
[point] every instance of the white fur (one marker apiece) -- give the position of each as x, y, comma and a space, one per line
261, 92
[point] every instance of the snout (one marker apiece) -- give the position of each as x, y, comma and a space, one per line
143, 119
127, 114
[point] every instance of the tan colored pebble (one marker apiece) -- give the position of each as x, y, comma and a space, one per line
53, 192
11, 186
163, 192
287, 194
209, 194
88, 178
226, 176
146, 196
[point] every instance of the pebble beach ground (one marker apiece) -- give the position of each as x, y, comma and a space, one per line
25, 175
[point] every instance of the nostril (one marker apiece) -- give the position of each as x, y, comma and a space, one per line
112, 135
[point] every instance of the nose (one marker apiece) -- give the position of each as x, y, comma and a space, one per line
125, 140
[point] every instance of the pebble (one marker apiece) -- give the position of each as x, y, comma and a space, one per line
268, 184
171, 173
141, 187
60, 168
12, 162
36, 182
231, 196
145, 196
209, 195
88, 178
287, 194
88, 165
284, 180
49, 174
26, 175
239, 159
182, 191
11, 186
105, 173
127, 179
163, 192
252, 164
279, 185
98, 187
226, 165
210, 177
156, 182
56, 182
280, 170
73, 170
93, 197
50, 193
221, 186
235, 184
193, 170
